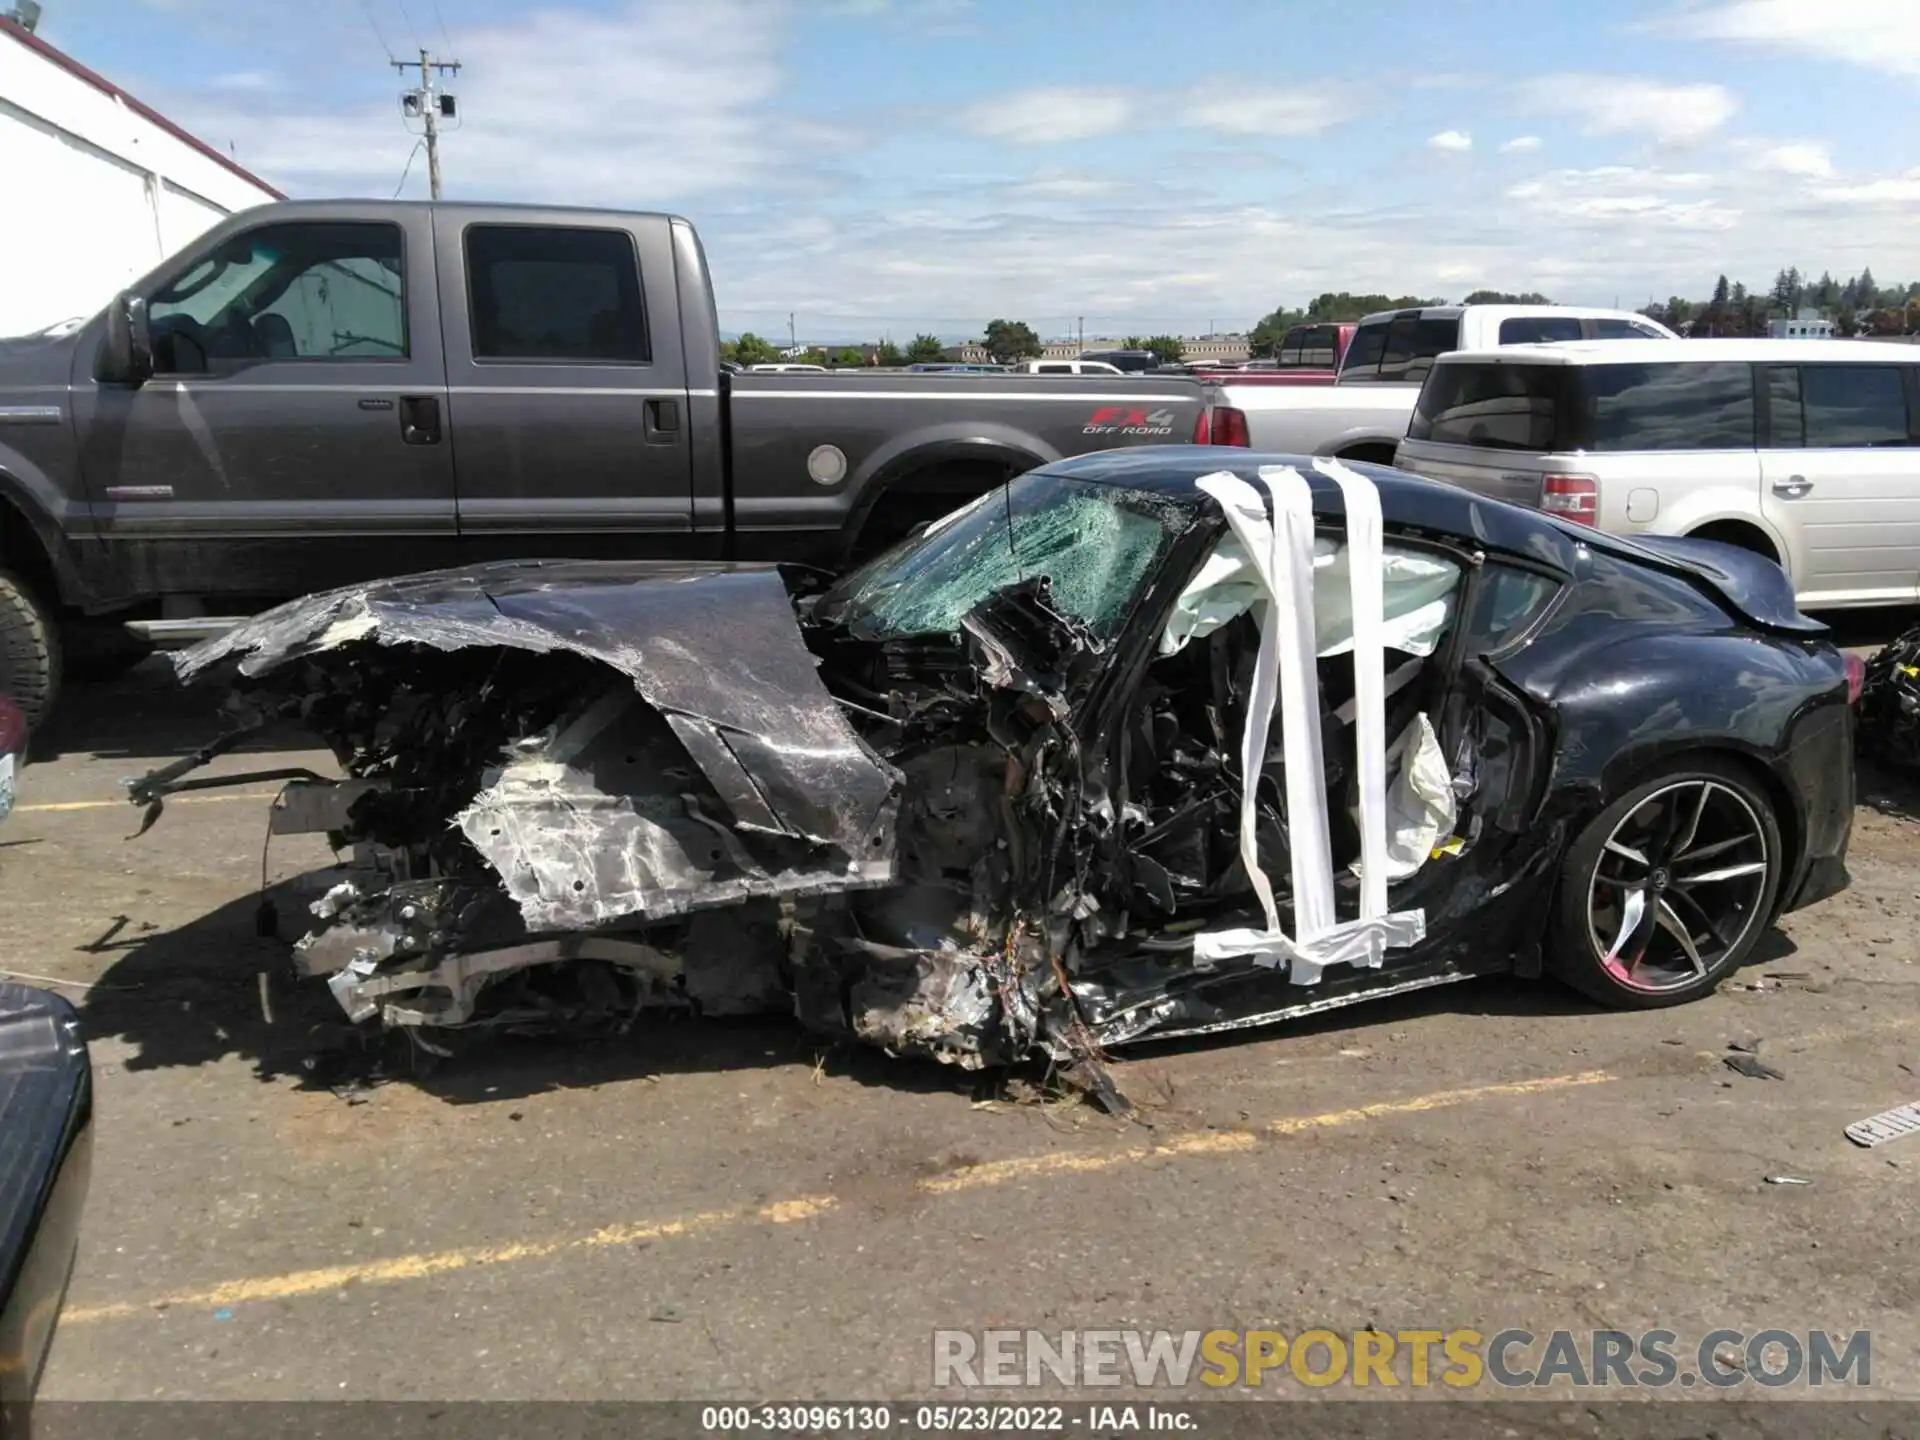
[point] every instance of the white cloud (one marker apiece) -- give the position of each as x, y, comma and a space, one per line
1453, 142
677, 104
1050, 113
1877, 34
1062, 184
1653, 200
1801, 157
1520, 145
1236, 107
1623, 104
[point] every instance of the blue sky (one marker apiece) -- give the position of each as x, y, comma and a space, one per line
887, 166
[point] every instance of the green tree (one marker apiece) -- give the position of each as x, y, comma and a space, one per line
925, 349
846, 356
1011, 340
749, 349
1866, 291
1134, 342
888, 353
1501, 297
1166, 348
1265, 337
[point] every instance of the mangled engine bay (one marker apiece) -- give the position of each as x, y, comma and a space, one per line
579, 790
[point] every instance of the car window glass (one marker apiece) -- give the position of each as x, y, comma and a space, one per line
546, 293
1675, 406
1412, 343
1364, 351
1786, 420
1506, 601
315, 290
1493, 406
1623, 330
1533, 329
1097, 545
1852, 406
1317, 347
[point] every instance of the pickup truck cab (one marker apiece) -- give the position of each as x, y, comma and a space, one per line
1364, 415
318, 393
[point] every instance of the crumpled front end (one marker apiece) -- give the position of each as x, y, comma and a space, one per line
558, 773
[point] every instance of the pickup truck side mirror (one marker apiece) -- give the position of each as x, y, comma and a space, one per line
126, 351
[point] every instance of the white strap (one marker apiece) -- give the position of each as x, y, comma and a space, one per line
1366, 567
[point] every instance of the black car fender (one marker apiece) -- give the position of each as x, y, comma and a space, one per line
1652, 698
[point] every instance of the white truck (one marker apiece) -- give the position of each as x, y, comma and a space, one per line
1364, 414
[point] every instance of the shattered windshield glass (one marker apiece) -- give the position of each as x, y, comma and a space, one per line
1096, 544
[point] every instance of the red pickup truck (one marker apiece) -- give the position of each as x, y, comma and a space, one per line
1307, 355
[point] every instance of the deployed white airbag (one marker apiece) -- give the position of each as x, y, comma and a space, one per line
1416, 596
1420, 802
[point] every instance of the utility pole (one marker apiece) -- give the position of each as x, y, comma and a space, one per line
432, 105
792, 342
1083, 333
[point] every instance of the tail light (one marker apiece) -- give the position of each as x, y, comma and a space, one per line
13, 728
1856, 676
1229, 427
1574, 497
1203, 427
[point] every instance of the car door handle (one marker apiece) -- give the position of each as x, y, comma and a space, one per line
420, 419
1793, 487
663, 421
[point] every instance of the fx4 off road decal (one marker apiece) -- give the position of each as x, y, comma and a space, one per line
1128, 420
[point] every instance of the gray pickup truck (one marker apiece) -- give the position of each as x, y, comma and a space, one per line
315, 394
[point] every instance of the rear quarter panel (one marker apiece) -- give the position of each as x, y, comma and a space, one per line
888, 426
1634, 668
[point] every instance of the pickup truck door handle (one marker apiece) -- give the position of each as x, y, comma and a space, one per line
1793, 487
663, 422
420, 419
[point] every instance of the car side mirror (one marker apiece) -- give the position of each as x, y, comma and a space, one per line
126, 351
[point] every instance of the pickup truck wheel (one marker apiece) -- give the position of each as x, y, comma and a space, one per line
29, 650
918, 498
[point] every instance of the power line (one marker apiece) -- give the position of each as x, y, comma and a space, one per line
408, 170
412, 29
372, 25
438, 19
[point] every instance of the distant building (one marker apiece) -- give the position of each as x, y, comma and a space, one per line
1807, 325
96, 187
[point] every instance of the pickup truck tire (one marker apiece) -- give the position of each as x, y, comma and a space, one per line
29, 649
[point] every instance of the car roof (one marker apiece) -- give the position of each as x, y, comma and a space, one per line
1506, 312
1646, 352
1406, 500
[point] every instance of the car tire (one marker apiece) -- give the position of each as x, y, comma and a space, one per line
1698, 842
29, 650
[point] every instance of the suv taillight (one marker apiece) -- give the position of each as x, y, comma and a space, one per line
1574, 497
1856, 676
1229, 427
1203, 427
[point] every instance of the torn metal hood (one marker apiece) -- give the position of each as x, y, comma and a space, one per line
589, 607
714, 651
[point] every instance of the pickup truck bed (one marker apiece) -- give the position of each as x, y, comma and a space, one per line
319, 393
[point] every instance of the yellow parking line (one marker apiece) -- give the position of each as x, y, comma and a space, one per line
803, 1207
64, 806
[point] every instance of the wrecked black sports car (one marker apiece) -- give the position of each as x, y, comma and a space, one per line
1146, 743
